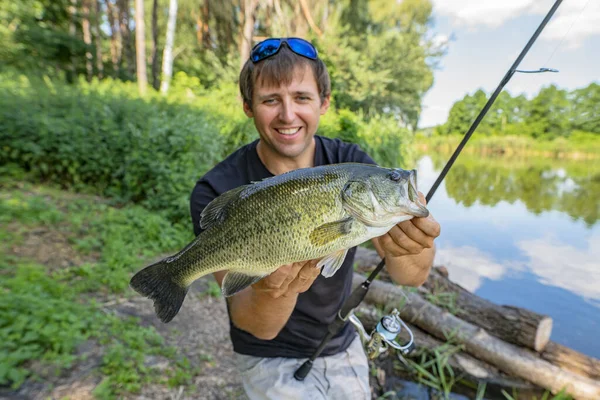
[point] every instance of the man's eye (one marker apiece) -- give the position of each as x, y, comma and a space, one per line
303, 98
269, 101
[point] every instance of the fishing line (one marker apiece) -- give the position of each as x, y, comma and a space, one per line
359, 293
567, 33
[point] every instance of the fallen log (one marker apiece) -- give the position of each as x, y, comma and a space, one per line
468, 303
462, 363
572, 360
512, 324
507, 357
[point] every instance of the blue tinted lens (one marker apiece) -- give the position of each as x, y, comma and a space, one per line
265, 49
302, 47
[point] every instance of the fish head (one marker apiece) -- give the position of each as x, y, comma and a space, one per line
384, 198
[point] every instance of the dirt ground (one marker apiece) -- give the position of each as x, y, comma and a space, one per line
200, 332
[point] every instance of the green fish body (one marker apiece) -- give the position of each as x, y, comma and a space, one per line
305, 214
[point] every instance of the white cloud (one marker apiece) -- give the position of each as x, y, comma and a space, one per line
492, 13
562, 265
468, 266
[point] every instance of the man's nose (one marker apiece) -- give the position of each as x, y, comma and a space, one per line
287, 113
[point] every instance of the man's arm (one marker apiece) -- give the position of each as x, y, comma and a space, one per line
409, 249
264, 308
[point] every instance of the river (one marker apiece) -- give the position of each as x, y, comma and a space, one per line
524, 232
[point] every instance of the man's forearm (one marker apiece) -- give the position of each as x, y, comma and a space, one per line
260, 314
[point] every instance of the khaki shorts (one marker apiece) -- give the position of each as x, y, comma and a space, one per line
342, 376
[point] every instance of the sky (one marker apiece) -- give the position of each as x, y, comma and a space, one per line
484, 38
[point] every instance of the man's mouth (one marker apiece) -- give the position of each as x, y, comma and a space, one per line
288, 131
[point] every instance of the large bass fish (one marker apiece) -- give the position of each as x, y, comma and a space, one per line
301, 215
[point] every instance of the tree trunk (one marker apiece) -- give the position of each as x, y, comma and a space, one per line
140, 47
97, 38
155, 77
512, 324
462, 363
167, 62
126, 40
309, 18
203, 33
115, 37
87, 39
72, 73
247, 31
509, 358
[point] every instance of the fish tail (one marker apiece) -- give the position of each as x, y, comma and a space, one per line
156, 282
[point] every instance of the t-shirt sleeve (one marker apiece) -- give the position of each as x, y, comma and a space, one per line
202, 194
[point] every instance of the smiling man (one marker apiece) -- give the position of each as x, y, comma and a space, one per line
279, 321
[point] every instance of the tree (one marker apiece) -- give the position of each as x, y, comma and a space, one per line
140, 46
246, 35
87, 38
167, 66
155, 79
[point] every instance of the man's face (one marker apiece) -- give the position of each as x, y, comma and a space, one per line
287, 117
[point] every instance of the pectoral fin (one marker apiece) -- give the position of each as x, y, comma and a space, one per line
236, 281
332, 263
331, 231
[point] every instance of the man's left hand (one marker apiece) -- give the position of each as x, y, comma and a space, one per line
410, 237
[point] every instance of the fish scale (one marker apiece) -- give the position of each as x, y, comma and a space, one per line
305, 214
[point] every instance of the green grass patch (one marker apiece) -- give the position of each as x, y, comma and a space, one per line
47, 311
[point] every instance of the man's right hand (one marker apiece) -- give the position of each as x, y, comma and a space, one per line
289, 280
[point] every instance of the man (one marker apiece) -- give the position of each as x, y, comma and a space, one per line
279, 321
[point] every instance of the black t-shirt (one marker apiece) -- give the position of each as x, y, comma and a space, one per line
317, 307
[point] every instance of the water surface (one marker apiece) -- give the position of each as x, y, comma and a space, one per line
524, 233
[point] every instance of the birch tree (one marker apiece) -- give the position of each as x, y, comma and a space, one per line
140, 46
167, 65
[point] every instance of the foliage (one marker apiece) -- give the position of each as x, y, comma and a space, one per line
551, 114
103, 138
380, 57
46, 313
380, 53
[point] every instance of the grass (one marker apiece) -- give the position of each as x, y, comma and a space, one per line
48, 311
518, 146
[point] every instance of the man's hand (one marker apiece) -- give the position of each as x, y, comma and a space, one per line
410, 237
289, 279
408, 249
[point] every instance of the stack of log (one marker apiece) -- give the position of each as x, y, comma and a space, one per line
503, 345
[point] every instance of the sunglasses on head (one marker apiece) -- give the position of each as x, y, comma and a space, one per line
270, 47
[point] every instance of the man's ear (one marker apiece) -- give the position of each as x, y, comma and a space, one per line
248, 110
325, 104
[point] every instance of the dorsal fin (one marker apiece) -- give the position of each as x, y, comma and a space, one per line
216, 211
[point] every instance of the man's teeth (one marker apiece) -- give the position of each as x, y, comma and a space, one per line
288, 131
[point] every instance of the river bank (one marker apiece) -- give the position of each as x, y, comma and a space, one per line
512, 146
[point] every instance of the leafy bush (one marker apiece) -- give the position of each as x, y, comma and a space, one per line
102, 137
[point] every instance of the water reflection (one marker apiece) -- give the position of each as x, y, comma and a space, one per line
525, 234
571, 187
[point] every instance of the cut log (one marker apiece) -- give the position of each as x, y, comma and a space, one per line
572, 360
507, 357
512, 324
473, 369
553, 352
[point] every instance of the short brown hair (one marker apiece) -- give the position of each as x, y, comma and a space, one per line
279, 69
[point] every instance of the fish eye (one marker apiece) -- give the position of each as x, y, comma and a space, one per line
395, 175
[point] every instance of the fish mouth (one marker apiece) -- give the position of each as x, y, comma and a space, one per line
417, 208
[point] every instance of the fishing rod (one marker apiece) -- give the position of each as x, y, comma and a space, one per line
359, 293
